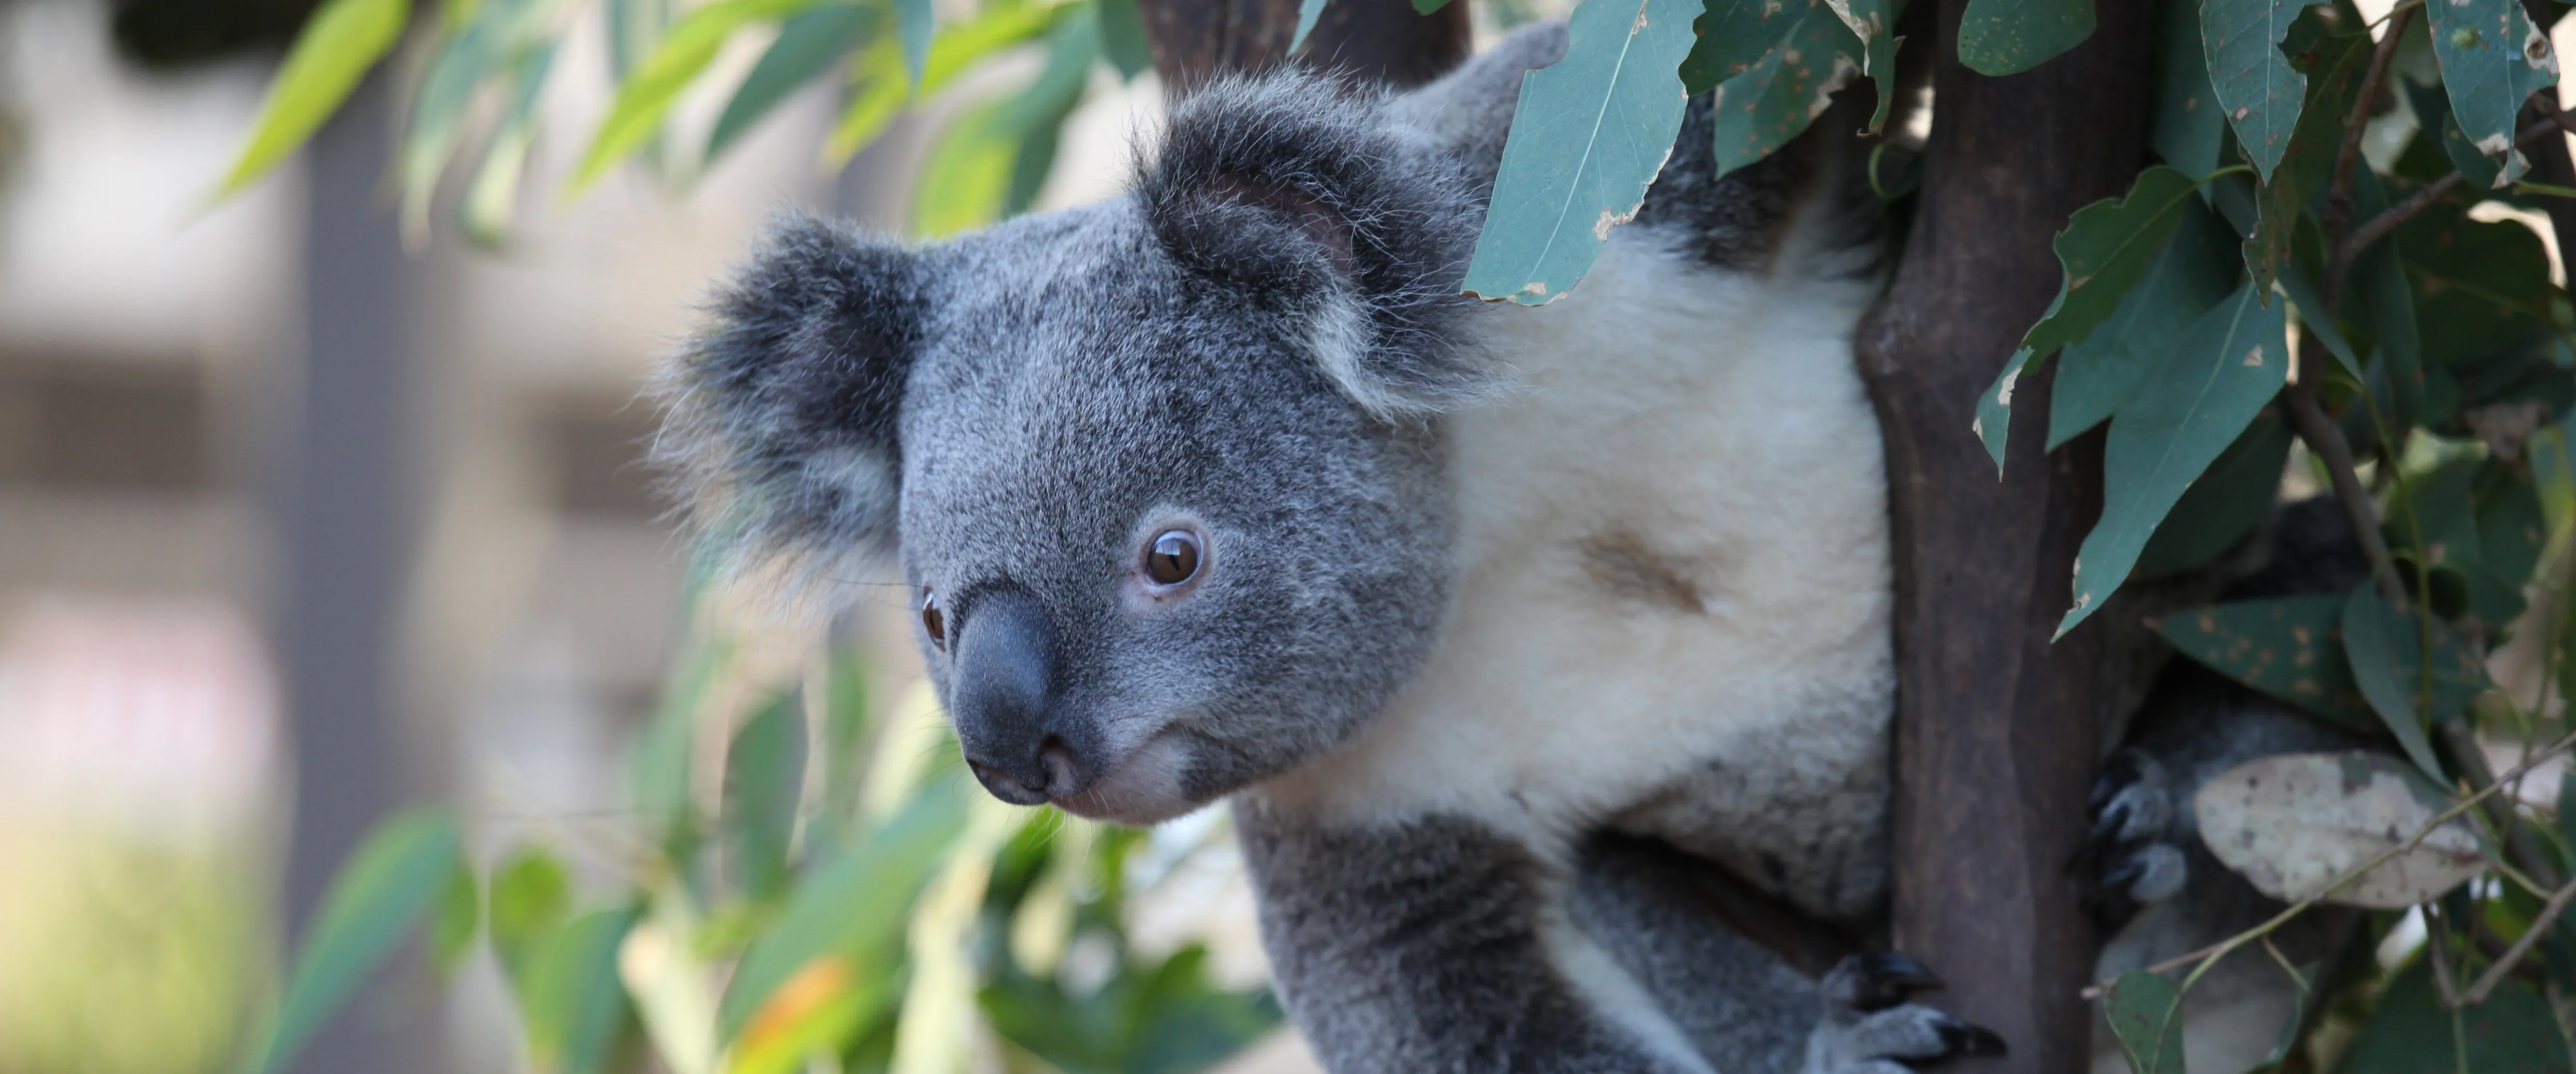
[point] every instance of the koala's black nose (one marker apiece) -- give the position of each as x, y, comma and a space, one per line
1001, 699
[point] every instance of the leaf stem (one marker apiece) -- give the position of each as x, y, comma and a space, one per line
2530, 938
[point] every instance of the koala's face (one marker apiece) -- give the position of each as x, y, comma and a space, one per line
1159, 472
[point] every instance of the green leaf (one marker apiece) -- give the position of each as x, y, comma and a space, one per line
530, 897
2313, 318
856, 905
2479, 518
1307, 12
438, 109
882, 92
2492, 59
1730, 36
2433, 112
1872, 21
2196, 269
1038, 114
491, 200
2290, 648
1425, 7
2257, 89
1587, 137
337, 46
650, 91
2335, 63
633, 27
2105, 248
460, 918
1122, 37
1775, 99
2190, 128
2230, 363
2145, 1011
914, 26
806, 45
967, 176
2003, 37
2378, 640
571, 997
2412, 1031
2225, 504
387, 888
763, 782
660, 765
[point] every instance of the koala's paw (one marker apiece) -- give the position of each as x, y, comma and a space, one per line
2129, 850
1868, 1027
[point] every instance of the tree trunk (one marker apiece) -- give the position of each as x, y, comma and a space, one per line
1997, 727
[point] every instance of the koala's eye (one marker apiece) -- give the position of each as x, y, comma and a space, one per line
932, 620
1173, 557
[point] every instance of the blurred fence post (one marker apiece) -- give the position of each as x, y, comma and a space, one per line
341, 496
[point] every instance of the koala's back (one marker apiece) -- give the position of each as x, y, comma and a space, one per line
1672, 579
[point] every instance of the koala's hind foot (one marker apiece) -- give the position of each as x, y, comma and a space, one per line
2132, 853
1868, 1027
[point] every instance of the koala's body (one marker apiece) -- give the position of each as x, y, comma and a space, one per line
1221, 489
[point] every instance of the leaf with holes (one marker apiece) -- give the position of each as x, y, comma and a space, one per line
2105, 248
2294, 824
337, 46
2202, 394
1872, 22
1588, 136
2257, 89
2492, 60
2002, 37
2289, 647
1774, 100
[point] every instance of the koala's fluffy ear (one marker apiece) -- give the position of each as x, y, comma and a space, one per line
781, 411
1303, 197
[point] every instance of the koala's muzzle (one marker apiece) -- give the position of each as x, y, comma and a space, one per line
1002, 701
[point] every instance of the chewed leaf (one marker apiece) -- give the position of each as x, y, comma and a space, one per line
2257, 89
2002, 37
1774, 100
1588, 136
1871, 21
2105, 248
2295, 824
2492, 59
2177, 422
2145, 1012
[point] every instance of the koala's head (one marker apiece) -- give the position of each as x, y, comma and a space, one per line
1159, 471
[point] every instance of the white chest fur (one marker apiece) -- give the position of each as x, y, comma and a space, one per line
1672, 592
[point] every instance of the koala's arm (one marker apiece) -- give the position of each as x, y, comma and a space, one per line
1439, 945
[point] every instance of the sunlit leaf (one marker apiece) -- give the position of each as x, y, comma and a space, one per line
2190, 128
2257, 89
338, 44
387, 888
938, 1019
806, 45
967, 176
2492, 60
2002, 37
438, 108
649, 92
1587, 137
531, 895
2145, 1011
854, 906
1038, 114
2105, 248
914, 26
883, 89
2229, 364
459, 920
2292, 824
491, 199
813, 1012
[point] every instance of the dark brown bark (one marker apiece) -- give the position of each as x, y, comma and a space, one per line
1996, 726
1377, 40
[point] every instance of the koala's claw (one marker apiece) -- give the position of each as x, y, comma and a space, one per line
1868, 1027
2128, 850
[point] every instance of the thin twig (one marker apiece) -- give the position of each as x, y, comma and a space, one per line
2556, 123
2520, 847
2213, 952
2325, 440
2530, 938
2437, 937
2338, 210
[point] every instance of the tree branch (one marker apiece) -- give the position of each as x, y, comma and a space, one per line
2338, 210
2504, 963
2554, 124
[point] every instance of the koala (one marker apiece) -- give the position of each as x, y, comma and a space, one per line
1222, 490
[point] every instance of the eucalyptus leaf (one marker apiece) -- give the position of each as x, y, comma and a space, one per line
807, 44
1307, 12
2379, 640
884, 86
2190, 129
2105, 248
2229, 364
2258, 90
2003, 37
385, 890
491, 199
650, 91
531, 896
2335, 64
438, 106
338, 44
764, 779
1874, 23
1587, 137
2225, 504
2295, 824
2492, 60
2196, 269
2145, 1012
1775, 99
1733, 35
2412, 1031
2290, 648
2314, 318
1122, 37
571, 997
914, 26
